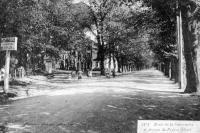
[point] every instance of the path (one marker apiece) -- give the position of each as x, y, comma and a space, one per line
99, 105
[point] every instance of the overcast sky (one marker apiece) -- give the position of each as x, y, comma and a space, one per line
77, 1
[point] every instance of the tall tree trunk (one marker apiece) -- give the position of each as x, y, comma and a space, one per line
100, 52
114, 64
102, 57
167, 68
196, 53
176, 71
172, 69
162, 68
191, 47
102, 47
109, 62
122, 64
79, 62
118, 64
190, 71
197, 66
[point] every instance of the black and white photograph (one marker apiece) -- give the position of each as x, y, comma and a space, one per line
99, 66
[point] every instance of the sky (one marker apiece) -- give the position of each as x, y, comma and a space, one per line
85, 1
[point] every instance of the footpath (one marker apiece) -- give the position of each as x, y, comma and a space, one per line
36, 85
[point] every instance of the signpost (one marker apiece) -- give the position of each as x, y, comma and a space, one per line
8, 44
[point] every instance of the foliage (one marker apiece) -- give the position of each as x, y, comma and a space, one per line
134, 31
42, 27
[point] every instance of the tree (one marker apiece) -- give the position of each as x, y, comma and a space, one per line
99, 10
190, 14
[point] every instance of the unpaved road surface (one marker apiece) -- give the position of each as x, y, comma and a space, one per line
98, 105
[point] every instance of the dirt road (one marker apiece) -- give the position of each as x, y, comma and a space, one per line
99, 105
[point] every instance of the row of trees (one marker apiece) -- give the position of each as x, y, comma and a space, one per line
136, 33
164, 44
118, 30
162, 26
46, 27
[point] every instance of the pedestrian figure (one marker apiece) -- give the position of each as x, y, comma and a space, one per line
113, 73
73, 73
79, 74
89, 73
21, 72
107, 73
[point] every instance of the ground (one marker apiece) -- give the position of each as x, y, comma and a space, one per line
97, 105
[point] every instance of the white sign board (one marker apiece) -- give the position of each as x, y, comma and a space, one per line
168, 126
9, 43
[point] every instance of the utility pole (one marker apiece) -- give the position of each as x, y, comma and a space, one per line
180, 45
